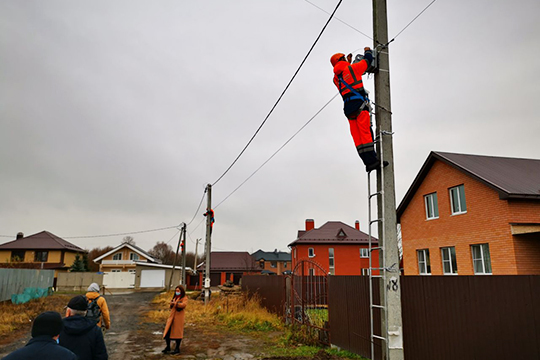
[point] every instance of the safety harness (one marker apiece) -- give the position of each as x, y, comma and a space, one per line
356, 96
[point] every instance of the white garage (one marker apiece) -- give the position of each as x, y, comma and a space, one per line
153, 278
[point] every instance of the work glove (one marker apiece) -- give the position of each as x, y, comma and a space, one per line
349, 58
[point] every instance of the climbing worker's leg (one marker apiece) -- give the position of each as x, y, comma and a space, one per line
363, 137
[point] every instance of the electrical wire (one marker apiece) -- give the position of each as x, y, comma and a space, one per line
278, 150
175, 235
198, 208
413, 20
120, 234
281, 96
341, 21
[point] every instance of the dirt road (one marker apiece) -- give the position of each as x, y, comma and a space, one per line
132, 338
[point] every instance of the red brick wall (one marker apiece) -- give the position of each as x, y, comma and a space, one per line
486, 221
347, 259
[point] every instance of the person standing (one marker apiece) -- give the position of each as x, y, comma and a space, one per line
43, 345
80, 334
174, 329
103, 318
348, 80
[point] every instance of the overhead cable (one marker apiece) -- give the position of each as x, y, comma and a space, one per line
120, 234
281, 96
278, 150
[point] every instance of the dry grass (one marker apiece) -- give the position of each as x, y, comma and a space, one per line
235, 311
14, 318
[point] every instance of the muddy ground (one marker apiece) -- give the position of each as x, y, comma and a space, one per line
131, 338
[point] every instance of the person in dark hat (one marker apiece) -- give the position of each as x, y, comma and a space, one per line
80, 334
43, 345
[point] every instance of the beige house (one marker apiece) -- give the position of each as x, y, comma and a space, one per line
42, 250
123, 258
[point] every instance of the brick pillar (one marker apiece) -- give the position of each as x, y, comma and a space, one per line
310, 224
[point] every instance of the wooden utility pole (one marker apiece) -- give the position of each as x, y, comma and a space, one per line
208, 244
175, 257
184, 256
391, 323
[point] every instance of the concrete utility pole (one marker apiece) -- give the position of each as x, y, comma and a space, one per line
391, 323
175, 257
208, 244
184, 256
196, 249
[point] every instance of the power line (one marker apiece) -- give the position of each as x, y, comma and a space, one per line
198, 207
120, 234
278, 150
341, 21
280, 97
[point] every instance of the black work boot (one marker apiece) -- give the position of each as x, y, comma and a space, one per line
376, 165
166, 350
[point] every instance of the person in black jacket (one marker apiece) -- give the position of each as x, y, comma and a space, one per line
80, 334
43, 345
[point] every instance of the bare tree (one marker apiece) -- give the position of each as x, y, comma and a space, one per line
164, 252
95, 253
128, 240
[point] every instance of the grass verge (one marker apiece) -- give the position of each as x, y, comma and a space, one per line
17, 318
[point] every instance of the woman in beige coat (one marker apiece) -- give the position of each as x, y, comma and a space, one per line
174, 329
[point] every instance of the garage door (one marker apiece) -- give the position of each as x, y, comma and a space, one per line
152, 278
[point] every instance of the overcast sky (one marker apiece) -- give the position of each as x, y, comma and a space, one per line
114, 115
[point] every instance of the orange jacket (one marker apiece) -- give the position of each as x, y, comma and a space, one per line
351, 74
105, 316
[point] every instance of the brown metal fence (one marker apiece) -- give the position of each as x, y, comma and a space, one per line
446, 317
271, 290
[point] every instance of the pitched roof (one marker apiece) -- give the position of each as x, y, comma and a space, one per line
512, 178
272, 255
333, 232
41, 240
231, 260
130, 246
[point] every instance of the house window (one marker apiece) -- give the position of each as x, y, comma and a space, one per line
117, 256
41, 256
311, 252
261, 264
133, 257
17, 255
273, 264
116, 270
132, 271
365, 272
285, 265
311, 272
481, 259
364, 252
424, 267
449, 263
432, 209
457, 200
331, 261
294, 253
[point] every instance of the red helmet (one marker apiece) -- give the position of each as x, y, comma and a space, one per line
336, 57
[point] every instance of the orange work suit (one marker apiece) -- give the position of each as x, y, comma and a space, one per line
355, 108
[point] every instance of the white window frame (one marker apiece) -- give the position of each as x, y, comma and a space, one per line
116, 270
365, 272
132, 256
429, 200
484, 258
331, 261
460, 203
451, 260
311, 272
311, 252
364, 252
117, 256
426, 263
132, 271
273, 264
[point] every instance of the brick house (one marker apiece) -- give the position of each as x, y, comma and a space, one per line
228, 265
273, 262
337, 247
42, 250
471, 214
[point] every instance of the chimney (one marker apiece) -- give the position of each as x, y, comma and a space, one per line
20, 235
310, 224
357, 225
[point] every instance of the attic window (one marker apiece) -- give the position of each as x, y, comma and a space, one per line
341, 234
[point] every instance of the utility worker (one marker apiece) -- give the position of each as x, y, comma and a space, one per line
348, 80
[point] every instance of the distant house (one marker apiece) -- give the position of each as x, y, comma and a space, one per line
470, 214
42, 250
229, 265
273, 262
123, 258
336, 247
